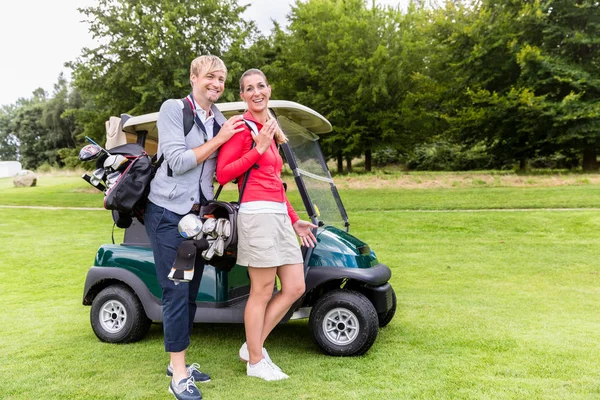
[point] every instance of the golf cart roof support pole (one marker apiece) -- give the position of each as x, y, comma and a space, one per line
338, 201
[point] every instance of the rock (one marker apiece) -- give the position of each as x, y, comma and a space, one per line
25, 178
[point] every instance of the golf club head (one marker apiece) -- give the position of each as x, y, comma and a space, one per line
94, 180
189, 226
210, 252
209, 227
89, 152
99, 174
88, 179
224, 228
102, 149
219, 246
199, 236
115, 162
112, 178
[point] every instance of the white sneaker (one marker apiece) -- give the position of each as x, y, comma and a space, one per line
245, 356
264, 370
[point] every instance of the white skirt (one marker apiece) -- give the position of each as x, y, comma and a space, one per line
266, 241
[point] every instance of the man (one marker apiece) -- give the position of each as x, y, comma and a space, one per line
183, 182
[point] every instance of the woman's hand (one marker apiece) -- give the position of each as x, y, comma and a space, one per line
304, 232
265, 136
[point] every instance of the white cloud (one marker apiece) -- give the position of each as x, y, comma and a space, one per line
38, 36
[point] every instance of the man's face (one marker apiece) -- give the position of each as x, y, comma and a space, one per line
208, 86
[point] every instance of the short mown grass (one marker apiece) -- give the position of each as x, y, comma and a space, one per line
491, 304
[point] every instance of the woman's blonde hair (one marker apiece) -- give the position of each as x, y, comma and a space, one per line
207, 64
279, 135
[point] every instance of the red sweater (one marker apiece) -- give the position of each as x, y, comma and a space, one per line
264, 183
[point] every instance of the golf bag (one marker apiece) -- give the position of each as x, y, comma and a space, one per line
127, 196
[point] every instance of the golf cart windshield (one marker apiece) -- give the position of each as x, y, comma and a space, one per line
317, 189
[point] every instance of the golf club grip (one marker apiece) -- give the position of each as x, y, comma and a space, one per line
88, 179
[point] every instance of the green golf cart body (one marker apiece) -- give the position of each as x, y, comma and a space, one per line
348, 296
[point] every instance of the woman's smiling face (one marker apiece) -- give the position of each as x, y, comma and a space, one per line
255, 92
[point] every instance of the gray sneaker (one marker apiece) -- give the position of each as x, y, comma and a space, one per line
185, 390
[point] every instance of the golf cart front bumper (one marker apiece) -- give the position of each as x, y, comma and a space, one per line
372, 282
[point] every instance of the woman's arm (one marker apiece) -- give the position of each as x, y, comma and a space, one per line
291, 212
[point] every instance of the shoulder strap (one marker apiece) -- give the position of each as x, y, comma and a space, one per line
188, 123
254, 130
252, 126
188, 116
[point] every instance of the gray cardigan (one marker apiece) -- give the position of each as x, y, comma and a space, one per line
177, 193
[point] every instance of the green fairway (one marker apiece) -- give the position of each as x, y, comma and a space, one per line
491, 304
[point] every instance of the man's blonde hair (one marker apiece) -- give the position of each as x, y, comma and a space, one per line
205, 64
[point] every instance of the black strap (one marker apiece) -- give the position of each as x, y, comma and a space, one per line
246, 175
188, 123
189, 118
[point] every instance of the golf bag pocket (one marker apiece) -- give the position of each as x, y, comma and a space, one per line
130, 189
220, 220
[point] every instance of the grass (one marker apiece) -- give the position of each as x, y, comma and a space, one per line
491, 305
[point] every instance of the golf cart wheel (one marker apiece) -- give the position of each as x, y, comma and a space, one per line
344, 323
117, 316
386, 317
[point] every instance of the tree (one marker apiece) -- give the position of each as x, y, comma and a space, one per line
524, 78
145, 51
561, 62
30, 130
62, 129
9, 144
333, 59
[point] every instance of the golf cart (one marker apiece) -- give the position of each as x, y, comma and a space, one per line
348, 296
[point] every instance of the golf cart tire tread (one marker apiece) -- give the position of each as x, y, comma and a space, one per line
137, 324
360, 305
386, 317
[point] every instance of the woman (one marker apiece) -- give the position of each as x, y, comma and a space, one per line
182, 183
267, 244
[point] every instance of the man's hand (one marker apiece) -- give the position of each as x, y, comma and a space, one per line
232, 126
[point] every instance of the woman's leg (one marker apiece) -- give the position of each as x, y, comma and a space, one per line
261, 290
292, 287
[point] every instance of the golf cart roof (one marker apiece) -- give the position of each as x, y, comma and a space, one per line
304, 116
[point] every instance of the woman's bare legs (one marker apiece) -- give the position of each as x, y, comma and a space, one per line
292, 287
261, 290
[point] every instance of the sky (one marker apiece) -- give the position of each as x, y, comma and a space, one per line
38, 36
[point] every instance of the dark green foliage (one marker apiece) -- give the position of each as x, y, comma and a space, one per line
526, 75
440, 85
145, 52
342, 58
9, 143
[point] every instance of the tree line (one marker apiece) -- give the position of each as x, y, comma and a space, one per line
439, 85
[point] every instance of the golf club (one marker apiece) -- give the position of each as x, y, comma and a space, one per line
115, 161
98, 185
89, 152
97, 145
